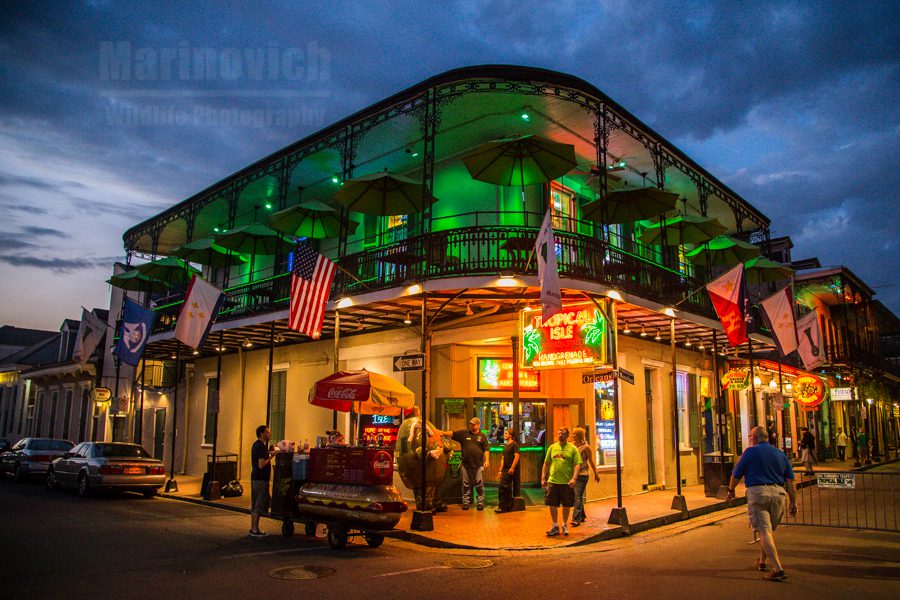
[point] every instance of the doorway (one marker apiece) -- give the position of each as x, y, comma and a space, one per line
650, 390
563, 412
159, 433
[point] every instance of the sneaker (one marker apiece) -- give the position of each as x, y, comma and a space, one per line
465, 507
565, 530
258, 534
761, 566
575, 523
481, 507
775, 576
553, 531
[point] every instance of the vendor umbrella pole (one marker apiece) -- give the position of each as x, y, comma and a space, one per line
337, 344
171, 484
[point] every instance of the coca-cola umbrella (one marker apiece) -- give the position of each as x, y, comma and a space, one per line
362, 392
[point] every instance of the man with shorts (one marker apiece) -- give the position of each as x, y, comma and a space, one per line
261, 463
558, 480
770, 480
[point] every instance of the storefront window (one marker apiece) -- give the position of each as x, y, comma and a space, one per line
605, 427
497, 415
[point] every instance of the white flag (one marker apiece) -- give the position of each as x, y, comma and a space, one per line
201, 305
779, 312
548, 275
90, 332
810, 340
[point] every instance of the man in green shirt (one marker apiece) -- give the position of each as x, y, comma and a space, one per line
558, 480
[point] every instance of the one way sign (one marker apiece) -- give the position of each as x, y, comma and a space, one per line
409, 362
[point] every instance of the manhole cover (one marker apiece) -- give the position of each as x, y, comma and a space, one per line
468, 563
301, 572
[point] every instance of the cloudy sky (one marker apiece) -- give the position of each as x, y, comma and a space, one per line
794, 105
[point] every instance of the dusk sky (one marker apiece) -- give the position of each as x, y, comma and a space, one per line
792, 104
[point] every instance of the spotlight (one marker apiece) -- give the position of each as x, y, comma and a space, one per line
687, 344
469, 312
408, 319
657, 337
626, 330
701, 346
195, 352
247, 343
643, 333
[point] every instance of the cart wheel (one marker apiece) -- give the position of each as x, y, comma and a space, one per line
337, 536
287, 528
373, 539
310, 529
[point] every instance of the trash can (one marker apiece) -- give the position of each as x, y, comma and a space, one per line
226, 470
717, 469
282, 483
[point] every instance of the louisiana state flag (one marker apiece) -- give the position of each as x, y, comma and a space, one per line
728, 294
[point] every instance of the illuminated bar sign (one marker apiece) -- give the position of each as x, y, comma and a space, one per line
575, 337
496, 375
809, 391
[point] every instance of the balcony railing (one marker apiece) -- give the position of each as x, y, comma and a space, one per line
477, 250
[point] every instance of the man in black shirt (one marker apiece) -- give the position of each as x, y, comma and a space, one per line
261, 463
475, 457
508, 470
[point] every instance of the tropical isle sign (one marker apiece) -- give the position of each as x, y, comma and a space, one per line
573, 338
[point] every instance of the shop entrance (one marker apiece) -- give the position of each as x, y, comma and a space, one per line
159, 433
564, 412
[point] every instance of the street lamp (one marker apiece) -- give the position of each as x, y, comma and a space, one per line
678, 502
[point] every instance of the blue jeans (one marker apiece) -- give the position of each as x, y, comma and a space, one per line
472, 475
580, 486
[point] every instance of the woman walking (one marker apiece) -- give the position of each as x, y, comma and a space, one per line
587, 459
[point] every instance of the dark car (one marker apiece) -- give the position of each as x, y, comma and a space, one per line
32, 456
95, 466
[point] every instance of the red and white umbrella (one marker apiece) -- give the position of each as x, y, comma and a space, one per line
362, 392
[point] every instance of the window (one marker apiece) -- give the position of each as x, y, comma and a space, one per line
681, 393
119, 451
564, 207
82, 419
212, 407
277, 406
54, 399
67, 415
138, 432
36, 420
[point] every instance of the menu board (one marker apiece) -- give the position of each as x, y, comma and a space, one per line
354, 465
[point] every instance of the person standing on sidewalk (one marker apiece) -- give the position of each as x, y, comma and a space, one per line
558, 478
475, 458
261, 461
581, 481
841, 442
808, 449
508, 470
769, 480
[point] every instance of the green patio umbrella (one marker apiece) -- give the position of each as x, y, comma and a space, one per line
383, 194
521, 161
206, 252
254, 239
761, 269
682, 229
170, 269
723, 251
135, 281
628, 206
312, 219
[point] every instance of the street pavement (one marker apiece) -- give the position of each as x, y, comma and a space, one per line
124, 546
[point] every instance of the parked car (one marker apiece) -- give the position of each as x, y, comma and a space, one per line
32, 456
95, 466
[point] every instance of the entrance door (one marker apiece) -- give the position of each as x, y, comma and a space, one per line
563, 412
159, 433
649, 378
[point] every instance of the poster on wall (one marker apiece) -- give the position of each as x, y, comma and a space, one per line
576, 337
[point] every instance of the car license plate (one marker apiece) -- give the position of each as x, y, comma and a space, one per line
134, 471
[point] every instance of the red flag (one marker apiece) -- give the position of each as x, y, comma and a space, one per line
727, 294
310, 286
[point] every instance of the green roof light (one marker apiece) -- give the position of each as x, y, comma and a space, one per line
335, 179
269, 205
526, 117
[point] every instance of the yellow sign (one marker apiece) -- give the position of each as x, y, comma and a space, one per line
809, 391
736, 379
102, 395
9, 377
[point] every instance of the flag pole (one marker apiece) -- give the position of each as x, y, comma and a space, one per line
171, 484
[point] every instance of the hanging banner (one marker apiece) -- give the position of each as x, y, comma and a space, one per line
736, 379
496, 375
809, 391
574, 337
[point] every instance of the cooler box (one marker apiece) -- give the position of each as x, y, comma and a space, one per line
361, 466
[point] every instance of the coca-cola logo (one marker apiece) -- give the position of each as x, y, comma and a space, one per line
382, 463
336, 393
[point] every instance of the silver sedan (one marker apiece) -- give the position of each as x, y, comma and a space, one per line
32, 456
95, 466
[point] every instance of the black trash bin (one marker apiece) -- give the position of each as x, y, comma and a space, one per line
226, 471
282, 483
717, 469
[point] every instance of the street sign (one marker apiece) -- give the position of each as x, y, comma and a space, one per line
626, 375
596, 376
102, 394
845, 481
409, 362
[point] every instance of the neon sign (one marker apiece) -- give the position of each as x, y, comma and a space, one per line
809, 391
574, 337
496, 375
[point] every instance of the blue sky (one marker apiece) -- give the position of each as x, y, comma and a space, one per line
793, 105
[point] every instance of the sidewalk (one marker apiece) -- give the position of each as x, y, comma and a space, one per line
523, 530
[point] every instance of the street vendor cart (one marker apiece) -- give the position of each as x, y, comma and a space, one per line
350, 489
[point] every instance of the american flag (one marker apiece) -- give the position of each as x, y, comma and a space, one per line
310, 286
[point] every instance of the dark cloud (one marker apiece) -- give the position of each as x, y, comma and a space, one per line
34, 210
35, 230
64, 265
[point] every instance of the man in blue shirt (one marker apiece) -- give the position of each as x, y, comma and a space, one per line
769, 478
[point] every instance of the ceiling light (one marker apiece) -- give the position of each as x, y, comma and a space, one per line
757, 380
247, 343
643, 333
657, 337
626, 330
196, 352
701, 346
469, 312
788, 387
344, 302
278, 338
688, 343
669, 311
335, 178
359, 325
525, 116
614, 294
268, 205
408, 319
173, 356
616, 166
772, 384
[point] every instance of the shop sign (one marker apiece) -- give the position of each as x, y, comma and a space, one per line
736, 379
841, 394
8, 377
379, 430
596, 376
809, 391
496, 375
574, 337
102, 395
606, 433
